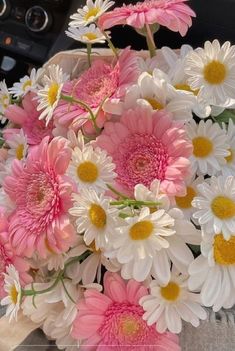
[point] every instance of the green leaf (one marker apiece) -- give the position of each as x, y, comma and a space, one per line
225, 116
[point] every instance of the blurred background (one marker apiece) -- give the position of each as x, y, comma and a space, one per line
33, 31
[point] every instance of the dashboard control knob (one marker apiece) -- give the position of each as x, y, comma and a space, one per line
37, 19
5, 9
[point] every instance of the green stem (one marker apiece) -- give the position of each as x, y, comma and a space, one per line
84, 105
150, 41
89, 54
59, 278
110, 44
116, 192
129, 202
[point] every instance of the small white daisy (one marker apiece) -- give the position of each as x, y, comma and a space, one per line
26, 84
178, 78
216, 206
184, 203
139, 240
91, 168
49, 95
94, 217
18, 146
86, 35
212, 72
90, 268
155, 92
5, 100
229, 167
90, 12
13, 289
209, 147
213, 272
168, 305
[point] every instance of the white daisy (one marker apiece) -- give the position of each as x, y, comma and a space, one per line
213, 272
168, 305
216, 205
184, 203
86, 35
209, 147
90, 12
185, 232
139, 240
155, 92
5, 100
91, 168
212, 72
90, 268
229, 167
94, 217
26, 84
179, 79
18, 146
148, 65
13, 289
49, 95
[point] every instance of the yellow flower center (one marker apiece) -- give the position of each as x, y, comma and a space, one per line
170, 292
129, 326
52, 93
90, 36
215, 72
14, 294
224, 251
202, 147
92, 13
223, 207
20, 152
141, 230
87, 172
26, 84
5, 101
186, 201
186, 87
229, 158
156, 105
97, 216
93, 248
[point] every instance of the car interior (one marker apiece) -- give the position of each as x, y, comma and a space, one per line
33, 31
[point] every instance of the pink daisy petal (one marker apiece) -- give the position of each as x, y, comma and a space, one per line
42, 195
173, 14
120, 324
101, 81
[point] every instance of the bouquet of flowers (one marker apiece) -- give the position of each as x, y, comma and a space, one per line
117, 199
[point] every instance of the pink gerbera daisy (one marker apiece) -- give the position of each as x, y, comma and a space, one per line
8, 257
173, 14
27, 118
145, 146
42, 195
101, 81
113, 320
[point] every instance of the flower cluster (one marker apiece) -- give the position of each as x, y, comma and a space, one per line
117, 197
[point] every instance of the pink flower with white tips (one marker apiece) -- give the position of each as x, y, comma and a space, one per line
41, 193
